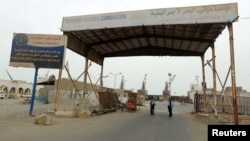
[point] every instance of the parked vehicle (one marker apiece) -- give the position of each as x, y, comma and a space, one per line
26, 95
2, 94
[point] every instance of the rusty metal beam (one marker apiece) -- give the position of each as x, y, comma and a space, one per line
204, 87
214, 81
233, 77
154, 51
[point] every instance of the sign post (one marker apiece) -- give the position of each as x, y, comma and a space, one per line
33, 92
37, 51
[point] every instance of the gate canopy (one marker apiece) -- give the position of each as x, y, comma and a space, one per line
181, 31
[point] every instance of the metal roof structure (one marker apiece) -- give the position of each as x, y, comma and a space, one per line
187, 31
181, 31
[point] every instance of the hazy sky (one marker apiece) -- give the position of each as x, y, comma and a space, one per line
45, 17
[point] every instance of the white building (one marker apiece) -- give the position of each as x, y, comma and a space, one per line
15, 88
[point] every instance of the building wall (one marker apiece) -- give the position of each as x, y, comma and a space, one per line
15, 88
228, 91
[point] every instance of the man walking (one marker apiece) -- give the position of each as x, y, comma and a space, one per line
152, 107
170, 107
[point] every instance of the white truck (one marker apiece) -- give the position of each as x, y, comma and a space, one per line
2, 94
26, 95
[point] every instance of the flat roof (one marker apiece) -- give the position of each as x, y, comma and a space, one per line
180, 31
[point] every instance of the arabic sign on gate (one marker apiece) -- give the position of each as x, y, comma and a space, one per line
219, 13
38, 50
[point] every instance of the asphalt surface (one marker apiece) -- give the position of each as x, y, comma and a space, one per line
17, 125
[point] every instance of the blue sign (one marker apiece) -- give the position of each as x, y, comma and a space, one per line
38, 50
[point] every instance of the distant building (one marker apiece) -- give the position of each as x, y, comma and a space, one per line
239, 90
193, 90
15, 88
228, 91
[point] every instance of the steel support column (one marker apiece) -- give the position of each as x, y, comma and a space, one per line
233, 77
204, 88
214, 82
101, 77
58, 84
85, 75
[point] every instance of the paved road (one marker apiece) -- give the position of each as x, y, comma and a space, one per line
116, 126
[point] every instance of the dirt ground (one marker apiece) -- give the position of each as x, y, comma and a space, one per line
19, 108
15, 112
14, 115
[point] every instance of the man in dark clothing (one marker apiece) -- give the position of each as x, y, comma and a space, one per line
152, 107
170, 107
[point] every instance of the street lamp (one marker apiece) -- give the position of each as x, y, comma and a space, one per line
115, 74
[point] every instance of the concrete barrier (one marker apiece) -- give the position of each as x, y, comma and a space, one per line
43, 119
